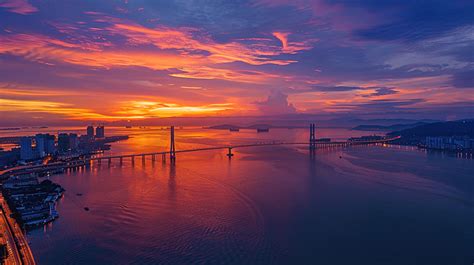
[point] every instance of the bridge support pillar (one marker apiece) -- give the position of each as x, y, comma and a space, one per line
153, 158
133, 160
163, 158
312, 137
143, 159
110, 161
99, 161
172, 147
121, 160
229, 154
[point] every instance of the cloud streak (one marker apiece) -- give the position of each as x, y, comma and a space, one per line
22, 7
154, 58
193, 56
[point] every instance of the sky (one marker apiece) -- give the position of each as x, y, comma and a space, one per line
63, 61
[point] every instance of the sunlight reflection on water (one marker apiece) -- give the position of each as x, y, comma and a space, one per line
268, 205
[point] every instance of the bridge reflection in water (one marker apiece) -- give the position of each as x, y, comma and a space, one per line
313, 144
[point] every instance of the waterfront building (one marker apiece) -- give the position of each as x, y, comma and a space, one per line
20, 181
8, 158
90, 131
449, 143
100, 132
45, 144
34, 202
50, 146
26, 148
73, 141
40, 145
63, 142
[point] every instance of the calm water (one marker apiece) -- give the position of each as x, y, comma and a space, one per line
276, 205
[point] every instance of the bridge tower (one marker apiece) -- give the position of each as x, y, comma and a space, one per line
229, 154
312, 137
172, 147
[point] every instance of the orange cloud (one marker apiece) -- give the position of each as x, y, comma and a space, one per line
6, 90
160, 109
193, 53
50, 51
126, 110
292, 47
255, 53
41, 48
39, 106
283, 37
203, 72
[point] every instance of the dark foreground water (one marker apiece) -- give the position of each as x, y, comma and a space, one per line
361, 205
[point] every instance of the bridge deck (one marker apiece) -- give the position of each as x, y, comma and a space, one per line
249, 145
57, 165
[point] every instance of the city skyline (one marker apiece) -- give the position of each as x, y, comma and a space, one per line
62, 63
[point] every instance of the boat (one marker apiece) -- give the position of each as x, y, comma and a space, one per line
128, 126
234, 129
263, 129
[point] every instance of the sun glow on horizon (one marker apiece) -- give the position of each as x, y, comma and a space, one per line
131, 110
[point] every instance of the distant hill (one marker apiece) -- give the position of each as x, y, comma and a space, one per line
387, 128
254, 126
299, 120
450, 128
223, 127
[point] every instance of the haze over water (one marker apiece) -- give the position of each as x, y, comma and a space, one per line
268, 205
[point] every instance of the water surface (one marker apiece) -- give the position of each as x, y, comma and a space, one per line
268, 205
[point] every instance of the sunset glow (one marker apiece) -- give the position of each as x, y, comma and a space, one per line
236, 132
138, 60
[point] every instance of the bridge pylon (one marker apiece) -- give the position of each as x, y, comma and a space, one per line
312, 137
172, 147
229, 154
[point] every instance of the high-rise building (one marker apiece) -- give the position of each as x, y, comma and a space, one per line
44, 144
100, 132
50, 147
73, 141
40, 145
449, 142
40, 140
90, 131
26, 149
63, 142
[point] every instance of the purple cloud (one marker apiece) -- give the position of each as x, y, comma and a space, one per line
22, 7
275, 104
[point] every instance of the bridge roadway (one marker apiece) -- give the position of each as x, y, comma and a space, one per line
318, 144
85, 161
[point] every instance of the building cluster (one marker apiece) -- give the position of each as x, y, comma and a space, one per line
32, 202
451, 143
42, 145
